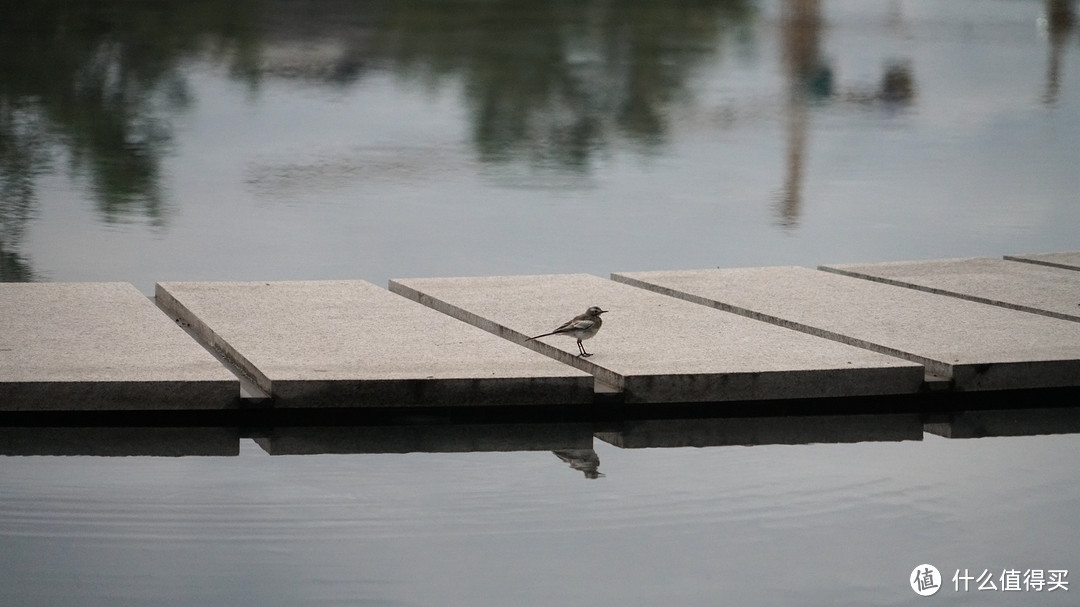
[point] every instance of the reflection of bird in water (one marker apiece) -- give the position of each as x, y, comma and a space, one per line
585, 460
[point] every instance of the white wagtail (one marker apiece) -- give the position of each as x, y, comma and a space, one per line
580, 327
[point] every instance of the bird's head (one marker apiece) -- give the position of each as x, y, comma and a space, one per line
595, 311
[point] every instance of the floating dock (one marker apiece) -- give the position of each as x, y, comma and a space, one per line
868, 332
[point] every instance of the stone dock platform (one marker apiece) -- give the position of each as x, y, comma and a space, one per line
866, 333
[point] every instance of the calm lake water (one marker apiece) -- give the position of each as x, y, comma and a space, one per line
268, 140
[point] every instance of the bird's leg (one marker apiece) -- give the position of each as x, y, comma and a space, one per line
581, 347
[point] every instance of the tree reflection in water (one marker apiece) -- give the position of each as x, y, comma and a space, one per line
97, 85
555, 82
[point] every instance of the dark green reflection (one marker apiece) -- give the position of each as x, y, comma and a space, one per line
102, 78
93, 86
98, 80
553, 82
22, 156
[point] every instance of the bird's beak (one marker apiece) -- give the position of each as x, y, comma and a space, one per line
602, 312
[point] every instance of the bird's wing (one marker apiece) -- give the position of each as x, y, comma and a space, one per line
576, 325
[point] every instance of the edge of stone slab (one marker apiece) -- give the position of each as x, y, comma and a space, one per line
209, 338
845, 270
604, 379
775, 385
461, 392
931, 366
390, 392
1022, 375
1032, 258
90, 394
164, 395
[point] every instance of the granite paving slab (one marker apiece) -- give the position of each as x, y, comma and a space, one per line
658, 349
1038, 289
101, 346
977, 346
349, 343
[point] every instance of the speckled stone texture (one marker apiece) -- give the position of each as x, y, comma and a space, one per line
101, 346
659, 349
978, 346
350, 343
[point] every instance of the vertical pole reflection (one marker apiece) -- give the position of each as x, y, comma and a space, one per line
1060, 20
808, 78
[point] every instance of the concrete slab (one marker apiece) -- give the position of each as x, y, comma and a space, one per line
351, 343
1038, 289
440, 438
1069, 260
658, 349
979, 347
749, 431
104, 346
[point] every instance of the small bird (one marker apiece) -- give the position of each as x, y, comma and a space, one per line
580, 327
